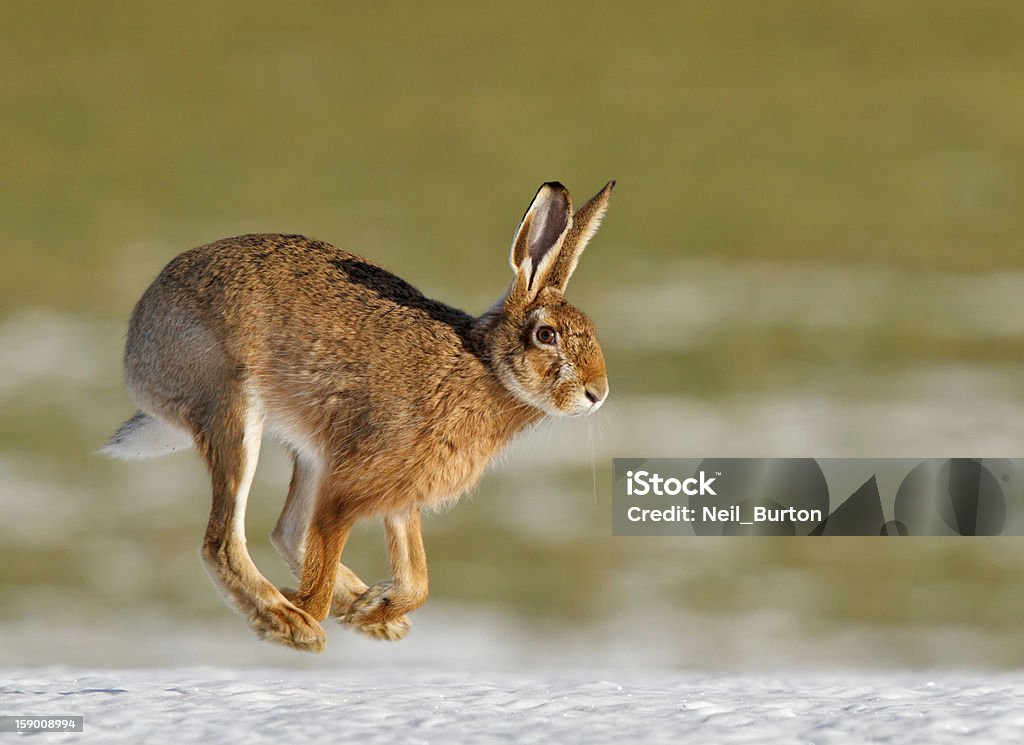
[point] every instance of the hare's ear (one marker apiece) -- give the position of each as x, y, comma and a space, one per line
585, 223
539, 239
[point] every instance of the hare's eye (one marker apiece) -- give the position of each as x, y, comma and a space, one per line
545, 335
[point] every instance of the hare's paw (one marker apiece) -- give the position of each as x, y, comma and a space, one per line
285, 624
391, 631
375, 606
380, 612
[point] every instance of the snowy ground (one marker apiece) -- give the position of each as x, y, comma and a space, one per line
256, 706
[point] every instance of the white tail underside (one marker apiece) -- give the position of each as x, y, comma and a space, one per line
145, 436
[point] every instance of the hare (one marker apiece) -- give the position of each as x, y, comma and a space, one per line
389, 402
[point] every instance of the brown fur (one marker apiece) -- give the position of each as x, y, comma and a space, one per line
391, 402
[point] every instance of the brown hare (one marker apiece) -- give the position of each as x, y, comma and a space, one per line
389, 402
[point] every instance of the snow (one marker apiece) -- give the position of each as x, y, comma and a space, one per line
387, 706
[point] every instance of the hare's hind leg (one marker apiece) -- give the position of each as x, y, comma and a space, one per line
289, 535
231, 448
383, 606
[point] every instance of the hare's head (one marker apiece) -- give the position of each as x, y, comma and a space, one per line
544, 350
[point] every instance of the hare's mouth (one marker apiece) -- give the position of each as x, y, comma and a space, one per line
591, 409
587, 404
595, 393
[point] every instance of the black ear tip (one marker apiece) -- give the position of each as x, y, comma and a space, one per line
610, 185
554, 185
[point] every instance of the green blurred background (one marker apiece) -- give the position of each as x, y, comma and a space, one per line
815, 249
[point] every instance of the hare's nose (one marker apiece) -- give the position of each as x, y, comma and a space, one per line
596, 390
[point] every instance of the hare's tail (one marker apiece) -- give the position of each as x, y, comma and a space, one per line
145, 436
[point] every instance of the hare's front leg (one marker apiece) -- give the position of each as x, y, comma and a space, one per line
230, 444
387, 602
290, 534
